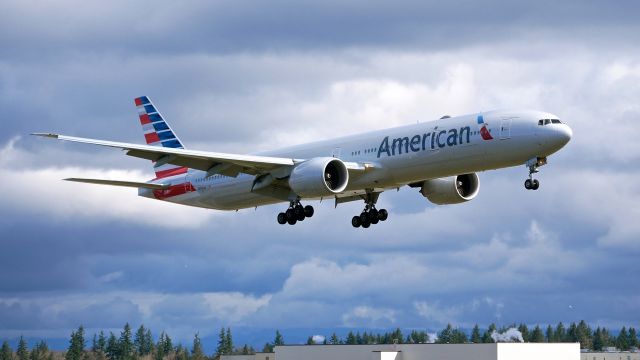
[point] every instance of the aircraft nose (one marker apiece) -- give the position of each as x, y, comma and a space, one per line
562, 135
566, 133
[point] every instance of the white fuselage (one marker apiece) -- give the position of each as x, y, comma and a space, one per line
410, 154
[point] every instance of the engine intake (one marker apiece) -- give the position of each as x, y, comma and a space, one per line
451, 190
319, 177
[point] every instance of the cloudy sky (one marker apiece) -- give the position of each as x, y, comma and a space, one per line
245, 76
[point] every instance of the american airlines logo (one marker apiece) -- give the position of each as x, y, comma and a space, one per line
484, 132
421, 142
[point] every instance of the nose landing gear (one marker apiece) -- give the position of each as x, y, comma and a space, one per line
296, 212
534, 164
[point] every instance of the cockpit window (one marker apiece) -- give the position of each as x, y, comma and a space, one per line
555, 121
547, 121
540, 122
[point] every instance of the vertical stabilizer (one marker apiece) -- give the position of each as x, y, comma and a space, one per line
157, 132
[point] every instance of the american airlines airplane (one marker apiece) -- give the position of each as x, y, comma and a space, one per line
440, 158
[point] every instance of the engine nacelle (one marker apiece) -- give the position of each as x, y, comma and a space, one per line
451, 190
319, 177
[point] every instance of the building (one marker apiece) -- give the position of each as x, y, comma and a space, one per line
610, 356
494, 351
257, 356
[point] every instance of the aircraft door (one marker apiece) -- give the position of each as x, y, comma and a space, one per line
505, 129
336, 153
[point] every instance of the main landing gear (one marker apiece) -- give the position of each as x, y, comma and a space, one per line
370, 215
296, 212
534, 164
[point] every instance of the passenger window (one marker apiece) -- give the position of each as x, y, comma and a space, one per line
547, 121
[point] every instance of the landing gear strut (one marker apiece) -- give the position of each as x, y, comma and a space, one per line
370, 215
296, 212
534, 164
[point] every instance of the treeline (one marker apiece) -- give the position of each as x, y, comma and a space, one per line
128, 346
141, 345
592, 339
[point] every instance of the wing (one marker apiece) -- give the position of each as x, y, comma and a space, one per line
211, 162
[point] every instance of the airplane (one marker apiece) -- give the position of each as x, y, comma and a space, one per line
440, 158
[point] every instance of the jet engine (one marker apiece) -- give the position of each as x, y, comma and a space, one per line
451, 190
319, 177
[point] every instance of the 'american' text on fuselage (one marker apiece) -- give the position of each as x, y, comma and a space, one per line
436, 139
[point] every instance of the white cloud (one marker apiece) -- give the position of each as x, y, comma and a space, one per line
437, 313
363, 316
41, 191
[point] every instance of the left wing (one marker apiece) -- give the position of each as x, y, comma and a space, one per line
211, 162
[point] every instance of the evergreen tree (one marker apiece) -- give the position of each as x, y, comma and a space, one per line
310, 341
112, 350
598, 343
196, 350
334, 339
102, 342
139, 341
486, 337
583, 334
222, 343
6, 353
228, 341
351, 338
536, 335
181, 353
524, 330
622, 341
126, 344
167, 345
76, 345
572, 334
245, 350
40, 351
268, 348
475, 335
279, 340
148, 343
560, 333
549, 335
446, 335
633, 338
396, 336
22, 353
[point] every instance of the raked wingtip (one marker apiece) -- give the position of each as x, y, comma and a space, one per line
50, 135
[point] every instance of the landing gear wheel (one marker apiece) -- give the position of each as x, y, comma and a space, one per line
308, 211
383, 214
355, 221
290, 214
292, 221
366, 225
364, 218
536, 184
528, 184
282, 218
373, 216
298, 210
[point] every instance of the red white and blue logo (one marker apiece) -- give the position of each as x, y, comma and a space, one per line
484, 132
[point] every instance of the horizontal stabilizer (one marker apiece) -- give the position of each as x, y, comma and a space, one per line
121, 183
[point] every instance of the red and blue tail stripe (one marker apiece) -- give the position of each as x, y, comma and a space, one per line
158, 133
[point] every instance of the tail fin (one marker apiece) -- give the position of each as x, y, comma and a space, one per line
158, 133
